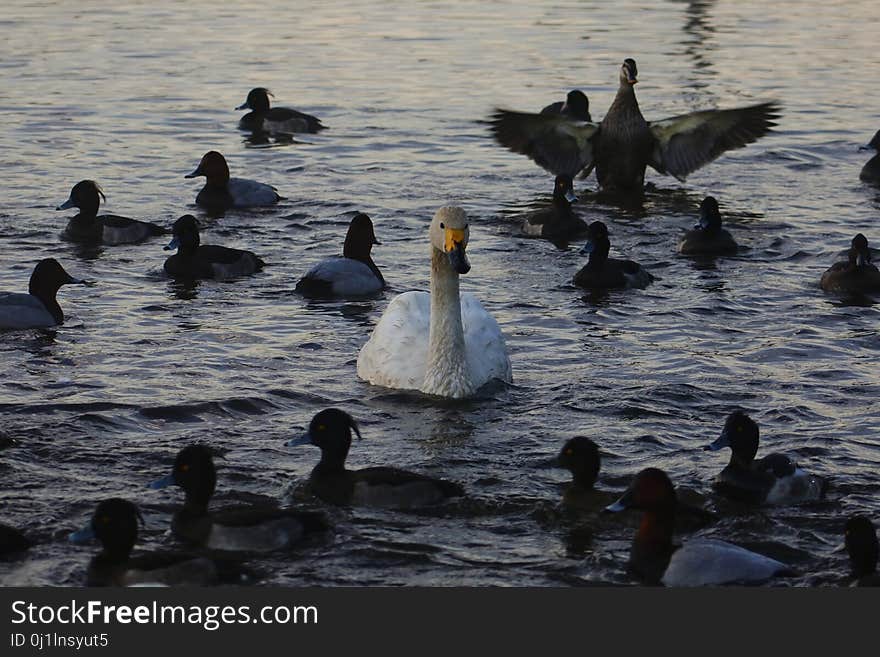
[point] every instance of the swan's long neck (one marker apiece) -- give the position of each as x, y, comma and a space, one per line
447, 371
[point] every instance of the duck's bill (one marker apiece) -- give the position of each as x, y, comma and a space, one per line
720, 442
866, 147
587, 248
164, 482
458, 258
78, 281
570, 196
195, 173
305, 439
243, 106
66, 205
617, 507
172, 245
84, 535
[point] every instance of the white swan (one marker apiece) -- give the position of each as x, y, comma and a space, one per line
441, 343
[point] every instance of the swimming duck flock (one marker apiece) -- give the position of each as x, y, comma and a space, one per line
444, 346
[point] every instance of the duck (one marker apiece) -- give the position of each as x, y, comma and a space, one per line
251, 529
870, 173
576, 105
855, 275
330, 481
222, 192
773, 479
580, 456
275, 119
12, 541
862, 547
110, 229
115, 524
194, 260
708, 238
38, 308
441, 343
655, 559
557, 222
604, 273
352, 274
623, 144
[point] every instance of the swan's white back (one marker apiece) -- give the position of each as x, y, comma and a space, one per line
396, 355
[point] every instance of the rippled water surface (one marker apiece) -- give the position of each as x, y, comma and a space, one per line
132, 94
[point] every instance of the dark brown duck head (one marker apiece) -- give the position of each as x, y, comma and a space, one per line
859, 253
629, 73
214, 168
85, 195
257, 100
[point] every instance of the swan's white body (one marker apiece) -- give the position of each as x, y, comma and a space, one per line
442, 343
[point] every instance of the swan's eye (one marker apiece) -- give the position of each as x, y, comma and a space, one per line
442, 226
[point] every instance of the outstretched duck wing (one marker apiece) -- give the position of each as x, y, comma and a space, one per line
555, 142
683, 144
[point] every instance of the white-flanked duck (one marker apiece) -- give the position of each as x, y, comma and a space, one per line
274, 119
771, 479
350, 275
89, 226
442, 343
222, 192
332, 482
623, 144
655, 559
194, 260
38, 308
245, 528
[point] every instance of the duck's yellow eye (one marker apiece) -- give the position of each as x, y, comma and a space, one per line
184, 467
739, 429
321, 427
105, 520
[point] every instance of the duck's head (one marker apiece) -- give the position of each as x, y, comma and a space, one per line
861, 545
580, 456
213, 166
185, 234
449, 235
194, 472
597, 239
115, 524
330, 430
577, 104
563, 188
859, 253
741, 434
650, 491
629, 72
873, 145
710, 216
360, 238
85, 195
48, 276
257, 100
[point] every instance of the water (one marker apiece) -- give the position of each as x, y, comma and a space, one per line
133, 94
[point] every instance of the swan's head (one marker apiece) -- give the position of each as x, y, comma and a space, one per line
449, 235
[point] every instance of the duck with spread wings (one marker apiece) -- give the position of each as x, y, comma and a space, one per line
623, 144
